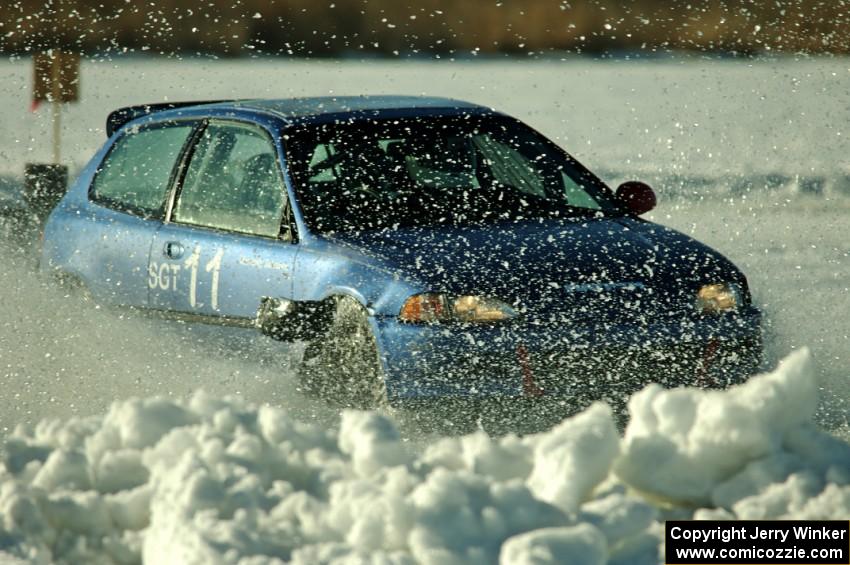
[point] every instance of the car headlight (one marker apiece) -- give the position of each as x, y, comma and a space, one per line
716, 298
434, 307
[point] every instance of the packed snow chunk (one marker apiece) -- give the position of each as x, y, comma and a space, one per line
141, 423
83, 513
506, 458
574, 457
577, 545
136, 424
373, 514
185, 516
130, 509
372, 441
833, 503
755, 477
342, 554
176, 444
120, 470
630, 525
780, 500
18, 452
223, 491
681, 443
23, 523
642, 549
821, 451
64, 469
277, 427
464, 518
619, 516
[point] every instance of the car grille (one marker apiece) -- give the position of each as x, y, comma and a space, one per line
614, 374
636, 307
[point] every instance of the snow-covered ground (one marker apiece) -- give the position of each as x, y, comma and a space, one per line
748, 156
745, 120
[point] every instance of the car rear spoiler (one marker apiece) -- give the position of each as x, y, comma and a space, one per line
121, 116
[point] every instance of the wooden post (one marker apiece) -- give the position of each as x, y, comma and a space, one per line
55, 81
56, 95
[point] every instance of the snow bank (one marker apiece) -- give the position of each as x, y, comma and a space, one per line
218, 481
695, 439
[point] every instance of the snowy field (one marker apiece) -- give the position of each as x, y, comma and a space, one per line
750, 157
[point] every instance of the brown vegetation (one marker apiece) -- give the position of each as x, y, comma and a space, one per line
331, 27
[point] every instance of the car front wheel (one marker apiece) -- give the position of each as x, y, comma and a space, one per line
342, 365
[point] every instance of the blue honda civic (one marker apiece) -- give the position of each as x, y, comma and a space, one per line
425, 249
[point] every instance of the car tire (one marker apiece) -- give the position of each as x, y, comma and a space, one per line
342, 365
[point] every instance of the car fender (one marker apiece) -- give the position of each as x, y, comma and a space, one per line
322, 276
324, 270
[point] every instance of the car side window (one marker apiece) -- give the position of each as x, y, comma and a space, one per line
577, 195
233, 182
134, 177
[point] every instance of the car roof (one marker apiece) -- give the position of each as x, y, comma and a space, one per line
305, 110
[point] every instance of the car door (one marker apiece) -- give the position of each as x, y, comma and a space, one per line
126, 206
225, 244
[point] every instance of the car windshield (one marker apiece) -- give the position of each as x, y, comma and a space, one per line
464, 170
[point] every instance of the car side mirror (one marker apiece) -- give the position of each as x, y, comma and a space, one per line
638, 197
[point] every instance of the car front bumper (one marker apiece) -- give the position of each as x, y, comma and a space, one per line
575, 363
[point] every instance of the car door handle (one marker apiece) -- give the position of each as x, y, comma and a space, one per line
173, 250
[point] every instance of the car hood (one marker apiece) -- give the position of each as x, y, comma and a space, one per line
537, 263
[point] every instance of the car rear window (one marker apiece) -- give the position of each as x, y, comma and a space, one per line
134, 177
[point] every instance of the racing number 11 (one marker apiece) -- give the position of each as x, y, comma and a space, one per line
213, 265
